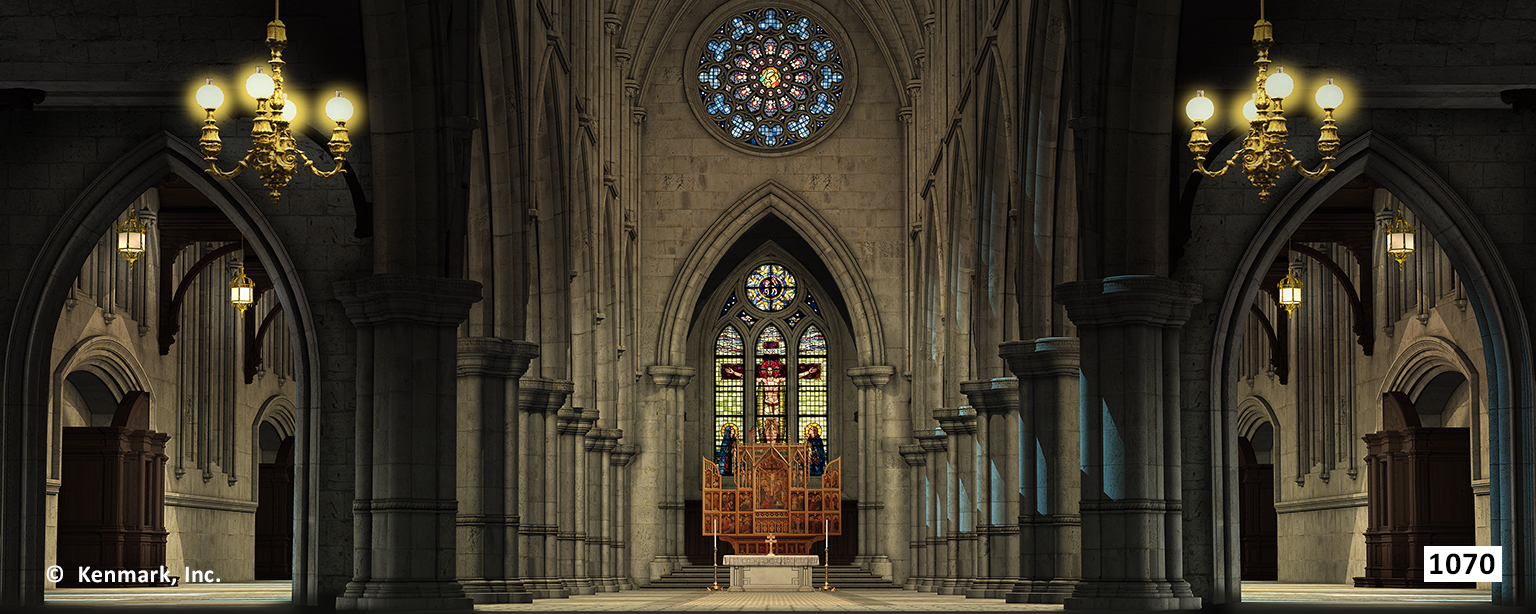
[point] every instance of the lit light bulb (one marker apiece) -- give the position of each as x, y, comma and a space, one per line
1279, 85
290, 109
1250, 112
1329, 96
259, 85
209, 96
339, 109
1200, 108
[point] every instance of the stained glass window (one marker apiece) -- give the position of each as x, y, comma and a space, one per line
771, 78
730, 374
795, 319
811, 300
729, 303
772, 385
770, 287
811, 410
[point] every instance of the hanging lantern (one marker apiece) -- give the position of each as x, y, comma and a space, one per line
1290, 292
242, 291
1400, 239
130, 237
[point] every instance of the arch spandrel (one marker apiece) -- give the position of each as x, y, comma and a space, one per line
769, 198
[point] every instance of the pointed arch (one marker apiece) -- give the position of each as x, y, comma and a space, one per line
107, 358
769, 198
1495, 302
24, 365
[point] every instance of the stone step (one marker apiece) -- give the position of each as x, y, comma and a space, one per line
842, 576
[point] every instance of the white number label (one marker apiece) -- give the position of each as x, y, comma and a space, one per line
1463, 563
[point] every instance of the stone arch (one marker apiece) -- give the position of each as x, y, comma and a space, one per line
28, 348
109, 360
1254, 412
1424, 360
769, 198
279, 411
1493, 297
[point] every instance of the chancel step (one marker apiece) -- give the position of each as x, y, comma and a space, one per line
842, 577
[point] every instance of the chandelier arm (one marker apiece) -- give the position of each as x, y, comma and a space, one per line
1321, 170
213, 167
319, 173
1200, 166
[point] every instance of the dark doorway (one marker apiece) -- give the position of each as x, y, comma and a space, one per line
274, 507
1256, 505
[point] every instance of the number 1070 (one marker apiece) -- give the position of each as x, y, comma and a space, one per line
1460, 564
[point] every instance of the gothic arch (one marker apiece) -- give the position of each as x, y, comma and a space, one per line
1254, 412
1421, 362
106, 358
769, 198
28, 349
1494, 299
278, 410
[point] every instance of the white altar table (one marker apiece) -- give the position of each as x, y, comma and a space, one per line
760, 572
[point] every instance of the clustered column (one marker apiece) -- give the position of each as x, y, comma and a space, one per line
571, 427
488, 564
539, 399
1050, 527
873, 472
618, 523
997, 405
1131, 502
916, 458
407, 427
600, 443
934, 496
960, 533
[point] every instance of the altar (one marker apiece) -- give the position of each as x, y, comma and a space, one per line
761, 572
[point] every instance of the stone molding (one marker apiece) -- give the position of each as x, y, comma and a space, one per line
603, 440
957, 420
913, 454
482, 519
394, 298
1158, 505
623, 453
874, 377
401, 503
222, 504
668, 376
1128, 299
1335, 502
494, 357
932, 440
539, 395
1043, 357
999, 394
575, 421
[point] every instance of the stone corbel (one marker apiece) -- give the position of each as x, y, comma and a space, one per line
931, 440
867, 378
539, 395
623, 453
956, 421
668, 376
492, 357
995, 395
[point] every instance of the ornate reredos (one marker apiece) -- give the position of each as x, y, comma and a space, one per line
749, 59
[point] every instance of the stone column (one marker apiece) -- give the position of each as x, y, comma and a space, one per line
916, 458
488, 562
411, 429
935, 499
662, 436
873, 469
539, 399
571, 428
1131, 505
600, 537
960, 424
997, 402
618, 560
1050, 527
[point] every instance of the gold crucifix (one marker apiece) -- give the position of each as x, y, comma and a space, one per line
771, 540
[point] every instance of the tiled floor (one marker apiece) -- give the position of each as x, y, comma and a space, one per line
1257, 597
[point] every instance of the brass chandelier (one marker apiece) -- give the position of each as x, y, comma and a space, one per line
1264, 154
274, 153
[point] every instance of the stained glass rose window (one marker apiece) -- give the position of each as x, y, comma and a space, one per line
772, 79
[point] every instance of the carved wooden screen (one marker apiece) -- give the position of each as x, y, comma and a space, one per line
772, 493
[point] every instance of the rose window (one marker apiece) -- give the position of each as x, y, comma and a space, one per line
771, 79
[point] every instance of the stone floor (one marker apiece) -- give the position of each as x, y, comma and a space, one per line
1259, 597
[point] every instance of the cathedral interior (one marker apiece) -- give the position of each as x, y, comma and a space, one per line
512, 300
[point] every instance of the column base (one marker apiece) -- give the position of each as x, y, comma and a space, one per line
608, 585
547, 588
404, 595
1041, 591
951, 586
1131, 595
880, 565
660, 567
496, 591
927, 584
982, 588
579, 586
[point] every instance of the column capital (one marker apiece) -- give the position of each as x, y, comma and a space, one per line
396, 298
999, 394
1128, 299
575, 421
669, 376
914, 454
956, 420
1043, 357
603, 440
539, 395
871, 377
623, 453
494, 357
931, 440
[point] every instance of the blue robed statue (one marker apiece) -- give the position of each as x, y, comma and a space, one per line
818, 449
723, 455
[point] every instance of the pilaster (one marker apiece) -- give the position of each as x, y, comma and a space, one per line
1132, 492
405, 533
489, 566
